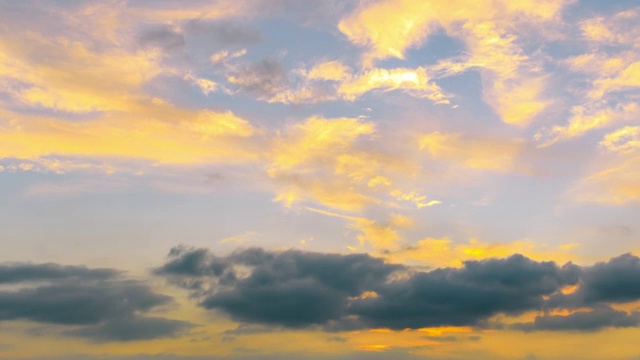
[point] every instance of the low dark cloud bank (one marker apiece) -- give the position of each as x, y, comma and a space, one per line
98, 304
294, 289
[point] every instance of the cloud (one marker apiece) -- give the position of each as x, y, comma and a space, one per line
488, 154
311, 162
294, 289
612, 282
414, 81
624, 140
464, 296
224, 33
162, 36
585, 321
94, 303
133, 328
25, 272
586, 118
514, 85
445, 252
613, 183
291, 288
157, 132
332, 80
264, 79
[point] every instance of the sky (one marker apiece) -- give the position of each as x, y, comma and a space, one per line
281, 179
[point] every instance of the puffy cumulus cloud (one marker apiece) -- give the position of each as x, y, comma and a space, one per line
294, 289
290, 288
98, 304
612, 282
474, 153
590, 304
443, 297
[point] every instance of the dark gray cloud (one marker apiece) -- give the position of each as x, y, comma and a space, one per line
342, 292
131, 328
204, 35
94, 303
20, 272
617, 280
224, 33
464, 296
291, 288
593, 320
264, 78
84, 303
162, 36
614, 281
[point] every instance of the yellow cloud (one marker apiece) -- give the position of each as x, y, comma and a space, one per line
617, 184
628, 78
314, 160
623, 140
380, 235
517, 102
619, 28
191, 137
329, 70
586, 119
414, 81
488, 154
600, 64
317, 138
207, 86
513, 87
444, 252
596, 30
73, 77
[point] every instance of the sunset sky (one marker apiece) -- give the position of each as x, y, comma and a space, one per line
355, 179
